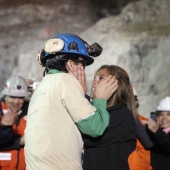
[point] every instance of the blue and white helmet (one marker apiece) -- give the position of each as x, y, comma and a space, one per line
66, 43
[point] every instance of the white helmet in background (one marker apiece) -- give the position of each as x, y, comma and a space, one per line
164, 104
15, 86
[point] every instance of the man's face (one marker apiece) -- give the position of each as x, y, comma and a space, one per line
164, 119
14, 104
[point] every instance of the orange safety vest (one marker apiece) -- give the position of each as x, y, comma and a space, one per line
14, 159
140, 158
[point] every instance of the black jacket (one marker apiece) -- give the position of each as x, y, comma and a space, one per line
6, 132
111, 150
160, 153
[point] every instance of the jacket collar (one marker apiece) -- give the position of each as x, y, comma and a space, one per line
53, 71
116, 106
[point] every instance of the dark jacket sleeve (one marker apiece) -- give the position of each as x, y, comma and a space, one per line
6, 134
13, 144
162, 140
143, 135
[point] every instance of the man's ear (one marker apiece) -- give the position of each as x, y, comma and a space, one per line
69, 66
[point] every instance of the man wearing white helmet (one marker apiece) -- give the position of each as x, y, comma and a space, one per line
160, 135
58, 110
13, 103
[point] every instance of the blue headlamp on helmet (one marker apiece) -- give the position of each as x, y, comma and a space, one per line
66, 43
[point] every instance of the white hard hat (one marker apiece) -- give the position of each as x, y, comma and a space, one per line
134, 92
164, 104
15, 86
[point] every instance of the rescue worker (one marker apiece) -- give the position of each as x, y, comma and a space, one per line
12, 102
139, 159
58, 109
160, 135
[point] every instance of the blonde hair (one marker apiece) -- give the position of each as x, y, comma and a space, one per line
124, 93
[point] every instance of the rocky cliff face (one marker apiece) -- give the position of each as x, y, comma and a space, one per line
136, 39
24, 27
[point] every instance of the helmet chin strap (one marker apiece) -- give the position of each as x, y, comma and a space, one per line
45, 71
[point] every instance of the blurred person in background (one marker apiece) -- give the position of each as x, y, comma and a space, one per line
110, 151
13, 102
159, 131
58, 109
32, 84
139, 159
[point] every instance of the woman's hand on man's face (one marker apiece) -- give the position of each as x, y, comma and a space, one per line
79, 73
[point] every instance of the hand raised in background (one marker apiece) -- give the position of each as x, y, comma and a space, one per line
8, 119
153, 126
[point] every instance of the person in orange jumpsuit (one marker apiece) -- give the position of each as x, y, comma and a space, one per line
13, 102
139, 159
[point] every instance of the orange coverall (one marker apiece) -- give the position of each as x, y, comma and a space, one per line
140, 158
15, 159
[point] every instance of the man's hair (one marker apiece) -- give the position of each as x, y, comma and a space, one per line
59, 61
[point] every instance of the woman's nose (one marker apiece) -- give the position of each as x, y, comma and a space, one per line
94, 82
164, 117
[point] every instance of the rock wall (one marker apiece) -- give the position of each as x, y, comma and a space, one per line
138, 41
26, 25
